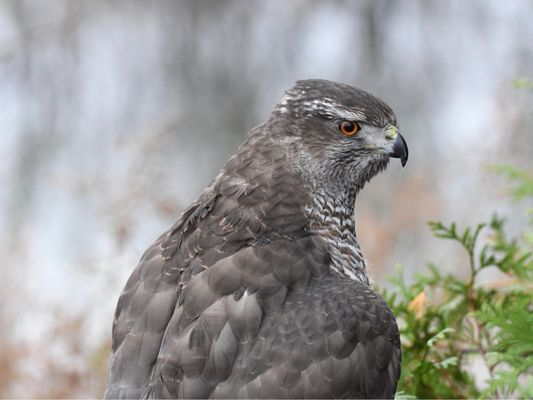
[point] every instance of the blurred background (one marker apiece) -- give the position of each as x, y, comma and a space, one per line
114, 115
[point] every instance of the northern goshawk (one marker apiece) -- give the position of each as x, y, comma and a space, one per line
260, 288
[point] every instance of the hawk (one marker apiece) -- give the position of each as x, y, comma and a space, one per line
260, 288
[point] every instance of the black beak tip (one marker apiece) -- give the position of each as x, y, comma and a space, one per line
400, 150
405, 155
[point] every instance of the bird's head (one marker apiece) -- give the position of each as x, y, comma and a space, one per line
340, 135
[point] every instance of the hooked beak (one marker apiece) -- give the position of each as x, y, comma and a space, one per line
399, 149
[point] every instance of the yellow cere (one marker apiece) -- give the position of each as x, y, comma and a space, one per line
391, 132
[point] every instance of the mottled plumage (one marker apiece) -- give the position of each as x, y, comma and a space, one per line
260, 289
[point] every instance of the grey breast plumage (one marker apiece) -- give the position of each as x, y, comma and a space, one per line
238, 298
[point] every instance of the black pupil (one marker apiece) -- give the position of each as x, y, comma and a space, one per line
348, 126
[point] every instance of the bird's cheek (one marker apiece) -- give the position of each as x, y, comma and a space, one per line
373, 144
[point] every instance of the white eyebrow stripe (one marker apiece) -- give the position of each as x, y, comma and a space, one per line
350, 115
328, 106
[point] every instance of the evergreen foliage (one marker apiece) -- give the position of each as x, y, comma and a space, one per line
463, 337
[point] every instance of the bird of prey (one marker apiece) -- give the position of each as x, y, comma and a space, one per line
260, 289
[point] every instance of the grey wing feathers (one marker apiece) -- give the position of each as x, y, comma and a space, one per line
259, 335
215, 323
145, 307
141, 318
335, 344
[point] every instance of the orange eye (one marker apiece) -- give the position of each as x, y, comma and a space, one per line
349, 128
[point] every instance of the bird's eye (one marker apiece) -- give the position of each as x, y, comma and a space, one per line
349, 128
